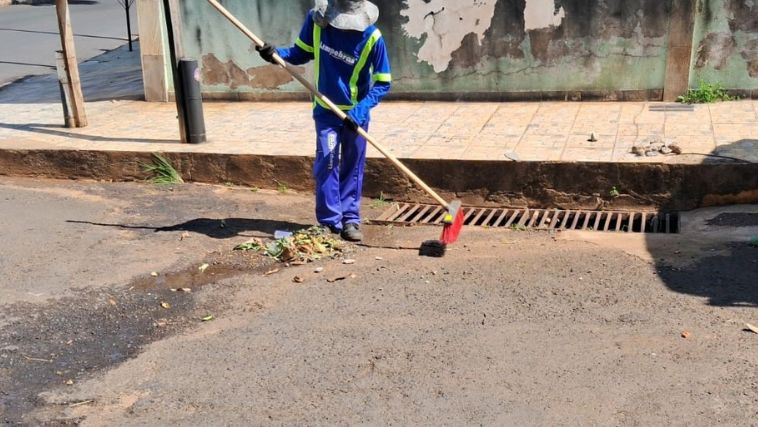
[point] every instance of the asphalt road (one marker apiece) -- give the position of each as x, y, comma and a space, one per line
29, 35
510, 328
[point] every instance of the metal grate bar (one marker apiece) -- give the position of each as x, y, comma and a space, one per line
469, 213
512, 219
586, 220
500, 218
576, 220
644, 222
432, 215
489, 217
475, 221
408, 213
608, 219
418, 216
397, 212
556, 218
598, 215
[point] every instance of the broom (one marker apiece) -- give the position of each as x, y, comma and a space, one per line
453, 221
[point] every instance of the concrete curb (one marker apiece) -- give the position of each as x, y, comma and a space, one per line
566, 185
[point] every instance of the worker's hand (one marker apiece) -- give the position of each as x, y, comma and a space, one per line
267, 52
351, 124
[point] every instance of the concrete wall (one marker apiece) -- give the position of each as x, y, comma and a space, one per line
726, 43
610, 49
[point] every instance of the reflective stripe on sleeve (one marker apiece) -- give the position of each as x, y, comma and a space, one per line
383, 77
301, 44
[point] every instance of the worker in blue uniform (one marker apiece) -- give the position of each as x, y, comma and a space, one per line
352, 70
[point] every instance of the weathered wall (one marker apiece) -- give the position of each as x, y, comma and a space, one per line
726, 43
460, 47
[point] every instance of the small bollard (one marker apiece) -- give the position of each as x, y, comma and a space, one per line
193, 100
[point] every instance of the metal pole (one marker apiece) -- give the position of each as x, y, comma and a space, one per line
128, 24
193, 100
178, 85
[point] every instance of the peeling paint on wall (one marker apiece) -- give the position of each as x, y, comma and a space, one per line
750, 54
541, 14
715, 50
443, 24
215, 72
726, 34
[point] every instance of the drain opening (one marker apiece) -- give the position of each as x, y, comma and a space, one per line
551, 219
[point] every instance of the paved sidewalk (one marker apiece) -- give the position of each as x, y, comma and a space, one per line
548, 131
31, 118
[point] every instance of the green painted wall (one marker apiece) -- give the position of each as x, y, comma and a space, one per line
726, 43
452, 46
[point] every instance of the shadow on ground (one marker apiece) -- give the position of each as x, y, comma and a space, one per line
725, 280
120, 79
225, 228
60, 131
744, 150
724, 273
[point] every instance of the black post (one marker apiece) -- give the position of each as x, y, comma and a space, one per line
193, 100
178, 84
127, 5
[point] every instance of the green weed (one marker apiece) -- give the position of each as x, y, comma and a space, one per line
281, 187
706, 93
161, 171
380, 202
518, 227
614, 192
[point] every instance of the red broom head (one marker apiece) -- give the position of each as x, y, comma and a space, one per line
453, 223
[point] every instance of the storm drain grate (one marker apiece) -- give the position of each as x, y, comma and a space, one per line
544, 219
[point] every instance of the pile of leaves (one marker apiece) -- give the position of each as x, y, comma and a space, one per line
305, 246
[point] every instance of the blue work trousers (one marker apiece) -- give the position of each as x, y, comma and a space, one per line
338, 171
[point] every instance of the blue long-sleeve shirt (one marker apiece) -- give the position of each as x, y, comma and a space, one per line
352, 68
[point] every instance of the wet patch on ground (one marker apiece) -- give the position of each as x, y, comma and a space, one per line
67, 340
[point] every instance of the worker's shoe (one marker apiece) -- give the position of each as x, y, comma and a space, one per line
352, 233
330, 229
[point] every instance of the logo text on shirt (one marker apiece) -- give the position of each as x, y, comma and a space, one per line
342, 56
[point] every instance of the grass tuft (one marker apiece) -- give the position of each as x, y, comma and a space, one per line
161, 171
614, 192
706, 93
380, 202
281, 187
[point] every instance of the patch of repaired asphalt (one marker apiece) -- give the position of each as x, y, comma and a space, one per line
735, 219
67, 340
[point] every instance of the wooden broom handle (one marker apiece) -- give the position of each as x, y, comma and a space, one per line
341, 114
